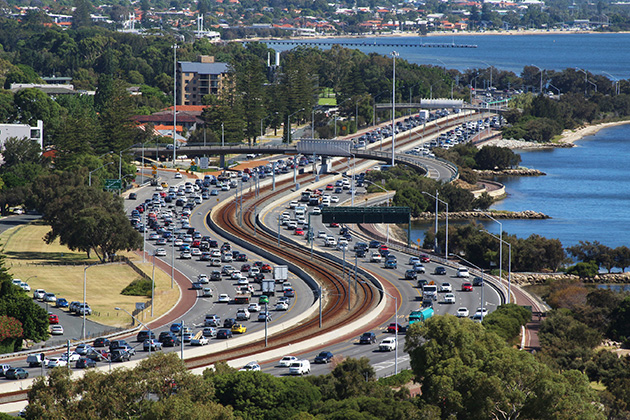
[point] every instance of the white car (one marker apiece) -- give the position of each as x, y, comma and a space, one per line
195, 252
419, 268
56, 362
322, 234
201, 341
73, 357
282, 306
287, 360
293, 204
449, 298
414, 260
56, 329
375, 257
388, 344
224, 298
479, 313
160, 252
178, 175
253, 307
185, 255
462, 312
317, 211
203, 278
446, 287
334, 199
242, 281
463, 272
250, 367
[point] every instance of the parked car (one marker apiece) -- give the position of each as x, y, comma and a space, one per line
324, 357
61, 303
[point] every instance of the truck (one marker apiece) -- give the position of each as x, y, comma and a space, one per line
36, 359
429, 293
268, 287
242, 297
421, 315
423, 113
280, 273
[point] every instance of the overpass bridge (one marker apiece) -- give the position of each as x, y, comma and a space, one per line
494, 106
438, 169
355, 44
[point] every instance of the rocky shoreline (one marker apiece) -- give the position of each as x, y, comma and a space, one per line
466, 215
522, 144
510, 172
525, 279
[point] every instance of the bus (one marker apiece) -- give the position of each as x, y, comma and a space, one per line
420, 315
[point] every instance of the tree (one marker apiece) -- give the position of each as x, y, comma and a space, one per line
495, 157
15, 303
20, 151
81, 15
32, 105
622, 257
117, 129
620, 322
250, 79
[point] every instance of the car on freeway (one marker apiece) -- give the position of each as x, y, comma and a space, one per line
367, 338
425, 258
16, 373
84, 363
152, 344
224, 298
253, 307
449, 298
387, 344
61, 303
375, 257
101, 342
419, 268
160, 252
263, 299
263, 315
446, 287
224, 334
185, 255
394, 327
462, 312
479, 313
287, 360
265, 268
201, 340
197, 286
324, 357
250, 367
414, 260
439, 271
477, 281
143, 335
83, 349
467, 287
168, 339
54, 362
239, 329
462, 272
410, 275
176, 327
120, 355
178, 175
53, 319
56, 330
282, 306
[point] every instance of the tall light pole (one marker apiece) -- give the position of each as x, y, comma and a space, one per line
174, 103
395, 321
139, 322
90, 174
541, 76
436, 219
585, 79
84, 294
394, 55
289, 125
615, 82
501, 244
501, 241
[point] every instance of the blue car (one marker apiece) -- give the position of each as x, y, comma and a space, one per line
214, 192
61, 303
176, 328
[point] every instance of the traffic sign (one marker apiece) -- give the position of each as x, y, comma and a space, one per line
113, 184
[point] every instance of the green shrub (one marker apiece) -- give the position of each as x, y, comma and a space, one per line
138, 287
400, 379
584, 269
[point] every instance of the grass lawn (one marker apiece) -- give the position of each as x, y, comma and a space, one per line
28, 257
327, 101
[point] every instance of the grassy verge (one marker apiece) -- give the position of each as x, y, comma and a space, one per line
28, 257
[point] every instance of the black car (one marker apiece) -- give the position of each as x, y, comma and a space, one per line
422, 282
360, 253
120, 355
224, 333
16, 373
477, 281
440, 271
133, 196
229, 322
116, 344
367, 338
143, 335
101, 342
410, 275
85, 362
97, 355
169, 340
324, 357
374, 244
241, 257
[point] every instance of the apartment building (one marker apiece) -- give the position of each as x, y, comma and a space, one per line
198, 79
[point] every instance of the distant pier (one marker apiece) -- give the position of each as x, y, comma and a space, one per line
365, 44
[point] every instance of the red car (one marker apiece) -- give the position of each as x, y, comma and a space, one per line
425, 258
383, 248
334, 224
265, 268
467, 287
299, 232
330, 187
53, 319
393, 328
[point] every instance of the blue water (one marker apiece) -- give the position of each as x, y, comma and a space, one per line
596, 53
586, 192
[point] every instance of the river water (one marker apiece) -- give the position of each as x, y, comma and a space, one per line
586, 192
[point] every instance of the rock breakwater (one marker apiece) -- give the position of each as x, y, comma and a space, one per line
466, 215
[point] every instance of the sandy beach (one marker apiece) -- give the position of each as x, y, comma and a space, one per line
571, 136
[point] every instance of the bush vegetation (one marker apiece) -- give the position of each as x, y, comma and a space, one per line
138, 287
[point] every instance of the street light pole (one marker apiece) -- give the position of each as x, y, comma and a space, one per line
394, 55
90, 174
509, 299
436, 221
289, 125
84, 295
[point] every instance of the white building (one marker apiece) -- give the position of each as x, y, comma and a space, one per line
22, 131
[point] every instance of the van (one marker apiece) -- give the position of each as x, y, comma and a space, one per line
301, 367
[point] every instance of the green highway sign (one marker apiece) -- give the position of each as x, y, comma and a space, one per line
113, 184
